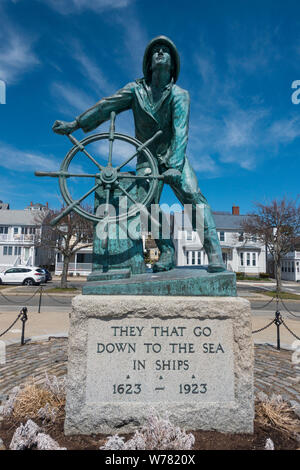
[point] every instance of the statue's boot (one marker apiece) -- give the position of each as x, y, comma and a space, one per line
213, 250
211, 243
167, 256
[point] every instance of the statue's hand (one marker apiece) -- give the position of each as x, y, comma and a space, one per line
172, 176
63, 127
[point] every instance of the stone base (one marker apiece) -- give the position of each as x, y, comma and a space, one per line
191, 357
178, 281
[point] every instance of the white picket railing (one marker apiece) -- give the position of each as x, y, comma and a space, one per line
4, 237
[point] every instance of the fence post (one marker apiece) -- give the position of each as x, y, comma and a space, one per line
24, 319
40, 299
278, 322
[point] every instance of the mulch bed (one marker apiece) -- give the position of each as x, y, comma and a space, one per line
204, 440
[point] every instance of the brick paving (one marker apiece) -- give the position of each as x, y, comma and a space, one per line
274, 371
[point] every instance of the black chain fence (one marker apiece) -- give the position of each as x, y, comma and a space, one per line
278, 320
23, 317
39, 291
24, 300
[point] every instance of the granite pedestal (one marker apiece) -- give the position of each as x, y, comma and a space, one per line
191, 357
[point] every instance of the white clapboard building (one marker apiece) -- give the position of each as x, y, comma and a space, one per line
19, 238
290, 266
239, 253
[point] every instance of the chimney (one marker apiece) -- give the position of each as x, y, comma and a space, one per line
235, 210
47, 205
31, 203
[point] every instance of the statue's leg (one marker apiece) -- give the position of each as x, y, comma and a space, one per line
165, 245
163, 241
188, 192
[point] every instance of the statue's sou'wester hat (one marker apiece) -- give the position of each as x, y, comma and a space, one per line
174, 54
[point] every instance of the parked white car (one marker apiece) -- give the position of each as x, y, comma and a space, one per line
27, 275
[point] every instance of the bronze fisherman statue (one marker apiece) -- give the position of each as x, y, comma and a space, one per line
159, 104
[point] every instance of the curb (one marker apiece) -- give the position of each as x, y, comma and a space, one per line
9, 342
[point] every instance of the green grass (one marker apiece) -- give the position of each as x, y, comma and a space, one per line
62, 289
250, 278
283, 295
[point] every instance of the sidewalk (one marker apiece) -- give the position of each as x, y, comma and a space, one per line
54, 320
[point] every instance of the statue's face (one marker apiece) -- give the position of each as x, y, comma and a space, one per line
161, 57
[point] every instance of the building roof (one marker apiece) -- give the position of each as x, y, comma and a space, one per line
36, 206
17, 217
229, 221
223, 220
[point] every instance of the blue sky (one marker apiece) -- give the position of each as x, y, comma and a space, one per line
238, 62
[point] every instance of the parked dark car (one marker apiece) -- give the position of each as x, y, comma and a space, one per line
47, 274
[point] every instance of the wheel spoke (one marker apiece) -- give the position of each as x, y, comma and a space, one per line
111, 136
139, 149
65, 174
107, 189
144, 209
73, 204
141, 177
127, 194
82, 149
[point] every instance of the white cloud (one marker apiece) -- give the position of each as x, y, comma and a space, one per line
284, 130
16, 53
134, 40
71, 101
91, 70
254, 50
14, 159
67, 7
205, 164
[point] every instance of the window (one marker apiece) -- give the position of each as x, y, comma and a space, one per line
4, 230
187, 257
253, 259
242, 259
241, 237
222, 236
193, 257
7, 250
254, 239
199, 257
248, 259
16, 230
17, 251
87, 257
189, 235
24, 230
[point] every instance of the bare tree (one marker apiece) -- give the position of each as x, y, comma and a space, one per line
277, 225
72, 233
